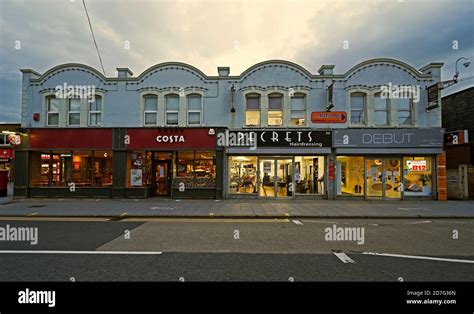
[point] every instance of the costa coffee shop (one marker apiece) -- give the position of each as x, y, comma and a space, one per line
389, 163
136, 162
275, 163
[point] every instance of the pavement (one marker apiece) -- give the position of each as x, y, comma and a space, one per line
159, 207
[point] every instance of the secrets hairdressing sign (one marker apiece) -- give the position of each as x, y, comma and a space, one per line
274, 138
388, 138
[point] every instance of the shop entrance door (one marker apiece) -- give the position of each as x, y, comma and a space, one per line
163, 177
383, 178
276, 178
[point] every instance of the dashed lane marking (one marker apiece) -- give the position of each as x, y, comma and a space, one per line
421, 257
297, 222
344, 258
32, 214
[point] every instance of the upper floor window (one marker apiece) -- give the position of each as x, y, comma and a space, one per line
194, 109
3, 139
405, 111
298, 110
95, 111
172, 109
275, 110
52, 116
381, 110
252, 112
74, 111
358, 105
150, 109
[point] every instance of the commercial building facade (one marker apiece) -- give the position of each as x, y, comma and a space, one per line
275, 131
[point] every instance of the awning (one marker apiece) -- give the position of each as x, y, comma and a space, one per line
388, 151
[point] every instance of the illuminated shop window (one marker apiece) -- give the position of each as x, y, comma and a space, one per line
309, 175
242, 174
139, 169
196, 169
350, 175
417, 176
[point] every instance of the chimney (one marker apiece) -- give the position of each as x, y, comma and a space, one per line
326, 69
124, 73
223, 71
433, 69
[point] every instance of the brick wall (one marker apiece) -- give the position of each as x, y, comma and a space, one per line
458, 114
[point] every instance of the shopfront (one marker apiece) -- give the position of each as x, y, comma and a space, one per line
173, 162
387, 163
270, 164
6, 158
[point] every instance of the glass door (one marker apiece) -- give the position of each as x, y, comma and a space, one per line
383, 178
163, 178
267, 178
374, 177
276, 178
392, 179
284, 183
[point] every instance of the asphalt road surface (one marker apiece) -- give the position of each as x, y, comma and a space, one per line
239, 250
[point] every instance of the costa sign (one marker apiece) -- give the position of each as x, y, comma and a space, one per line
328, 117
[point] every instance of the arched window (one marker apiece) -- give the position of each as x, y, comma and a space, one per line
194, 109
252, 110
275, 109
95, 111
358, 108
172, 109
150, 109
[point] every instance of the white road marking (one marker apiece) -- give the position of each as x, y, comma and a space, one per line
413, 208
344, 258
297, 222
80, 252
170, 208
322, 221
418, 222
421, 257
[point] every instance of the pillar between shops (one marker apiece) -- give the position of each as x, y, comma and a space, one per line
331, 178
120, 163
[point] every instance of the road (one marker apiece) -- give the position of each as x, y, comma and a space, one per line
238, 250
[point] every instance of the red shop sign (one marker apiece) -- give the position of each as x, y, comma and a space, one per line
329, 117
5, 153
71, 138
171, 138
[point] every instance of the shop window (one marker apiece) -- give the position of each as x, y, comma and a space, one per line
309, 175
417, 176
275, 110
74, 111
139, 169
61, 168
40, 165
252, 112
194, 109
243, 175
52, 117
350, 175
95, 111
405, 111
172, 109
298, 110
151, 109
195, 169
3, 139
358, 105
103, 168
82, 168
381, 110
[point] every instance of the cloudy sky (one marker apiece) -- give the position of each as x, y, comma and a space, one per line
40, 34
